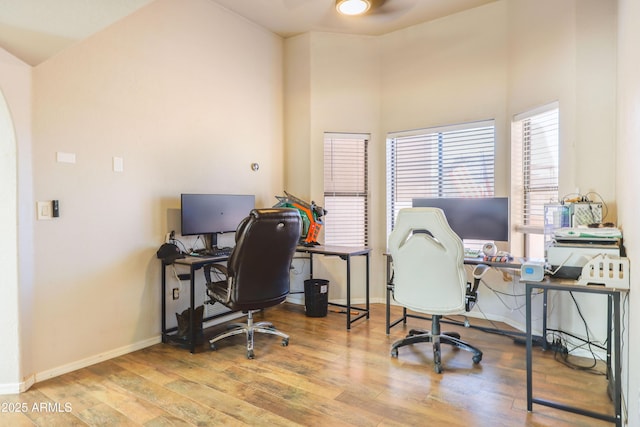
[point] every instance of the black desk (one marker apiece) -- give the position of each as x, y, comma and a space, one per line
194, 264
614, 371
512, 264
345, 253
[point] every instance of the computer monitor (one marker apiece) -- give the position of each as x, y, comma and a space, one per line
210, 214
485, 218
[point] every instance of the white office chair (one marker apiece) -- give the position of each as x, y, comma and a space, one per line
429, 276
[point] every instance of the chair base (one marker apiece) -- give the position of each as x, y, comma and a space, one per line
436, 337
249, 328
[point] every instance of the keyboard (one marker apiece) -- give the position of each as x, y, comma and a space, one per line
215, 252
219, 252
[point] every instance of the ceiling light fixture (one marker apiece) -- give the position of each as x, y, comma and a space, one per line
352, 7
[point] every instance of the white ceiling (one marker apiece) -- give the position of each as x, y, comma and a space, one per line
34, 30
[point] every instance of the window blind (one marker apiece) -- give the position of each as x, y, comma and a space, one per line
346, 189
534, 175
535, 145
451, 161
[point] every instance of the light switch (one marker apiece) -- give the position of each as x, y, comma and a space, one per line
44, 210
65, 157
118, 164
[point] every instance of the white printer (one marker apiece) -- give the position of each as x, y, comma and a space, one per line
571, 248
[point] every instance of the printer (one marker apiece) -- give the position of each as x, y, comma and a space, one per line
572, 248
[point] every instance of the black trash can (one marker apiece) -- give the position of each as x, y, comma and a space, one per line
316, 297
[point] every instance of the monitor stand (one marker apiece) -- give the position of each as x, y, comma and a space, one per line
210, 241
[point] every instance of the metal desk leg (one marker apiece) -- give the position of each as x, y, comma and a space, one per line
617, 376
192, 329
388, 286
367, 285
348, 259
609, 321
545, 298
164, 302
529, 346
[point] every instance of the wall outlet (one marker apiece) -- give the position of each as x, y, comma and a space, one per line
176, 293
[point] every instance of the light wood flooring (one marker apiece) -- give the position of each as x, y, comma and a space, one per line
327, 376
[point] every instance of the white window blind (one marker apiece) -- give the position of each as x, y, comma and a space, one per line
451, 161
534, 176
346, 189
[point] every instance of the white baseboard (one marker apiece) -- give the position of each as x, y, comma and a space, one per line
31, 379
92, 360
15, 388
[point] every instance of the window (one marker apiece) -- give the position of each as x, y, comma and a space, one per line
451, 161
534, 174
346, 189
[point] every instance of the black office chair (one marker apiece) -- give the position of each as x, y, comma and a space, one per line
257, 273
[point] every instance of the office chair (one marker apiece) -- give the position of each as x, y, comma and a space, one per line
257, 272
429, 276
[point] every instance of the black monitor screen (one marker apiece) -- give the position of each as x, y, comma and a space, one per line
213, 213
484, 219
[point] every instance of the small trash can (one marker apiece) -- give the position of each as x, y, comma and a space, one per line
316, 297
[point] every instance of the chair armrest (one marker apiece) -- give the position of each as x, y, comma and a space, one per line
215, 289
221, 268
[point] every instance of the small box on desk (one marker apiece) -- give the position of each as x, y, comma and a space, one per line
532, 271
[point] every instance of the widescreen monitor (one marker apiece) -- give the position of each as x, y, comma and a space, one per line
207, 214
485, 218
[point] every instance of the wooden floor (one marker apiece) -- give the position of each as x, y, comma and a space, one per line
327, 376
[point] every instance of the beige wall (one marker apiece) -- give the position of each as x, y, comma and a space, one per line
627, 175
189, 95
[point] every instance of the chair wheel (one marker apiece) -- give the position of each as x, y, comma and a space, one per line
477, 359
437, 368
250, 354
394, 352
212, 346
285, 342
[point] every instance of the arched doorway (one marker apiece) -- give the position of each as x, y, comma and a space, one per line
10, 376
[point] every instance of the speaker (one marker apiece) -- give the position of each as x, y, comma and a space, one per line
489, 249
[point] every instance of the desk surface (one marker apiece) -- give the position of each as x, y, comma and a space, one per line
334, 250
569, 284
196, 260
